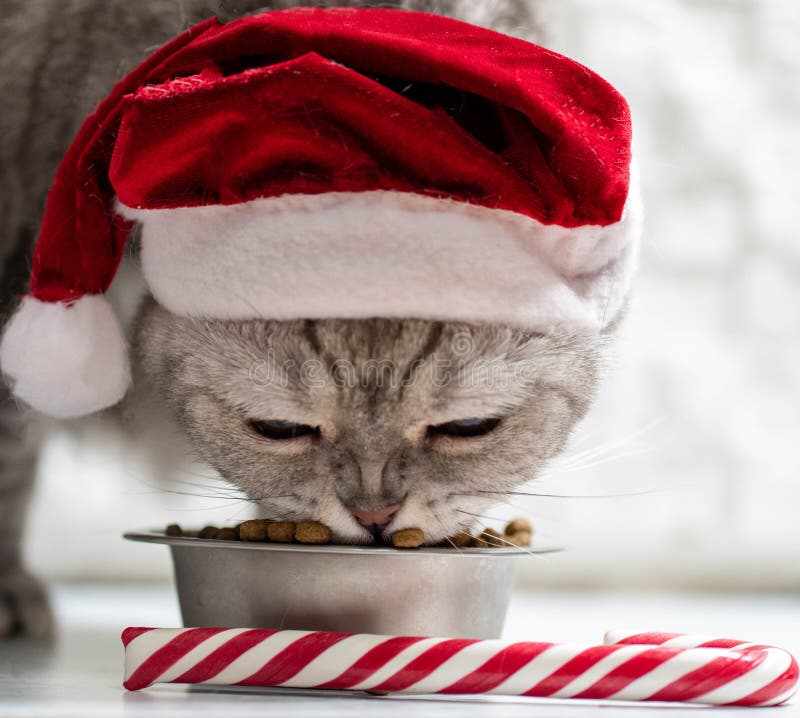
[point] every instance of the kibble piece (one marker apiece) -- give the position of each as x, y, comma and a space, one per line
312, 532
227, 534
253, 530
492, 537
460, 540
516, 525
173, 530
520, 538
207, 532
408, 538
281, 531
489, 538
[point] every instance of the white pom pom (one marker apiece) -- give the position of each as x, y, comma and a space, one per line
66, 360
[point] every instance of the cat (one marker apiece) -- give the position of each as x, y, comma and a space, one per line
361, 424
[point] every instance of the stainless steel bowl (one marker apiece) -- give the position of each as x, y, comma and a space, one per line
356, 589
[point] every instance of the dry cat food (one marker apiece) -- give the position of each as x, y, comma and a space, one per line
461, 540
408, 538
227, 534
517, 533
254, 530
207, 532
280, 531
312, 532
488, 538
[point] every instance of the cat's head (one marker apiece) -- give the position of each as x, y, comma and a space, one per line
369, 425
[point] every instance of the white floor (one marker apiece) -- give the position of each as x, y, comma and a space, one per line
80, 674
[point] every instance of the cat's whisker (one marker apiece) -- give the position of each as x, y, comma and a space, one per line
601, 461
202, 508
538, 519
567, 460
216, 495
505, 543
227, 489
452, 543
270, 498
616, 495
547, 495
438, 517
480, 516
185, 493
621, 495
220, 489
235, 516
213, 476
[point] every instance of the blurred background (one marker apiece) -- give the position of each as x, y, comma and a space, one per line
687, 472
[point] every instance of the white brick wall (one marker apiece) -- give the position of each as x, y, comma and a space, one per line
710, 359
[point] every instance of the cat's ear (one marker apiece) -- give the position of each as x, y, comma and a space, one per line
66, 359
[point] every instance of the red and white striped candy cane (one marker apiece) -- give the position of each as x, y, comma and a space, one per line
750, 688
639, 667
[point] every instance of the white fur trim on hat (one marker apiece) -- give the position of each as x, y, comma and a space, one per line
385, 254
66, 359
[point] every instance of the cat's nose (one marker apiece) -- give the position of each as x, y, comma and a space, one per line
374, 520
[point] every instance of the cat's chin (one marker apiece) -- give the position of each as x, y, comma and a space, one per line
412, 515
357, 536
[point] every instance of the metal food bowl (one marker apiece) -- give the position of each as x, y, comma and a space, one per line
355, 589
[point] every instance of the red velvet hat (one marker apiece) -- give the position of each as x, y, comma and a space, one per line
317, 163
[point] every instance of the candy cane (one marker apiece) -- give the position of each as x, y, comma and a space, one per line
761, 693
645, 666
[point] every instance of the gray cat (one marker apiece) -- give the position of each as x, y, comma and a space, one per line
387, 439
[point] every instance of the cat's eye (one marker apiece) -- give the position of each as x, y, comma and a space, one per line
464, 428
279, 430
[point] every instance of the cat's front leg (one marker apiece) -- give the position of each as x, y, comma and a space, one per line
24, 607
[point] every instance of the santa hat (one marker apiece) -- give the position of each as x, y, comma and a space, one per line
331, 163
